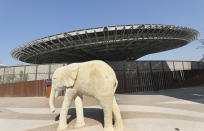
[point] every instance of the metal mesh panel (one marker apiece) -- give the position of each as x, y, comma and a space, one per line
1, 71
19, 69
178, 65
55, 66
43, 69
9, 70
157, 66
30, 69
127, 69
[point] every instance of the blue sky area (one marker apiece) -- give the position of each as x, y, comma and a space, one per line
22, 21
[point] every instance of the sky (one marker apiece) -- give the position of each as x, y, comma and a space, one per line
22, 21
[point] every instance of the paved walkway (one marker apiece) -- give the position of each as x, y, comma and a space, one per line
169, 110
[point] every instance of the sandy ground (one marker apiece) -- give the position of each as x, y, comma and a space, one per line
169, 110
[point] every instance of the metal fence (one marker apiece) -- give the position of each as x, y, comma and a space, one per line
13, 74
133, 77
128, 83
132, 82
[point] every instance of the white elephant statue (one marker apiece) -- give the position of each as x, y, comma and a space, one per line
93, 78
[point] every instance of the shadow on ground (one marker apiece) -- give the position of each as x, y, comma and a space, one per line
190, 94
92, 113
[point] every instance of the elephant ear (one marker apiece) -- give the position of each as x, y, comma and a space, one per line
71, 72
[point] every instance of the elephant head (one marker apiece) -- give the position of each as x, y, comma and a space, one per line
62, 78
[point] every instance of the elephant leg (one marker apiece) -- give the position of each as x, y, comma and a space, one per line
79, 112
117, 116
57, 93
69, 95
107, 104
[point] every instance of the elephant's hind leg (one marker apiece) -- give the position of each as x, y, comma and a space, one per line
107, 104
79, 112
117, 116
69, 95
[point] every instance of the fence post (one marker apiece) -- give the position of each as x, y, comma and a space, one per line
198, 65
152, 76
150, 66
174, 66
173, 70
49, 71
13, 74
124, 76
4, 74
163, 76
183, 65
162, 62
36, 71
24, 72
138, 76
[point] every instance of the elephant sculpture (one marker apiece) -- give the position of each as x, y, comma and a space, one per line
92, 78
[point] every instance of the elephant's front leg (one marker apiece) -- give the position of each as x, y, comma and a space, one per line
79, 112
69, 95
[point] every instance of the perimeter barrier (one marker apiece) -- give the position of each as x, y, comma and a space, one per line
133, 82
133, 76
23, 89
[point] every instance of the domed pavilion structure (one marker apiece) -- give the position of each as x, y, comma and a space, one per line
109, 43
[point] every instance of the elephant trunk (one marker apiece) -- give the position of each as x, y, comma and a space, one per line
52, 100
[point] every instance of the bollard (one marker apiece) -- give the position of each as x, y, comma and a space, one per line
48, 87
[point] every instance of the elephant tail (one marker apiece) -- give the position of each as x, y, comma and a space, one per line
115, 85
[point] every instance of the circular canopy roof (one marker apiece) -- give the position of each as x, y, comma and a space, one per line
112, 43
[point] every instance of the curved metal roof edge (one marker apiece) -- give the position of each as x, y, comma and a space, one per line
156, 25
15, 50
